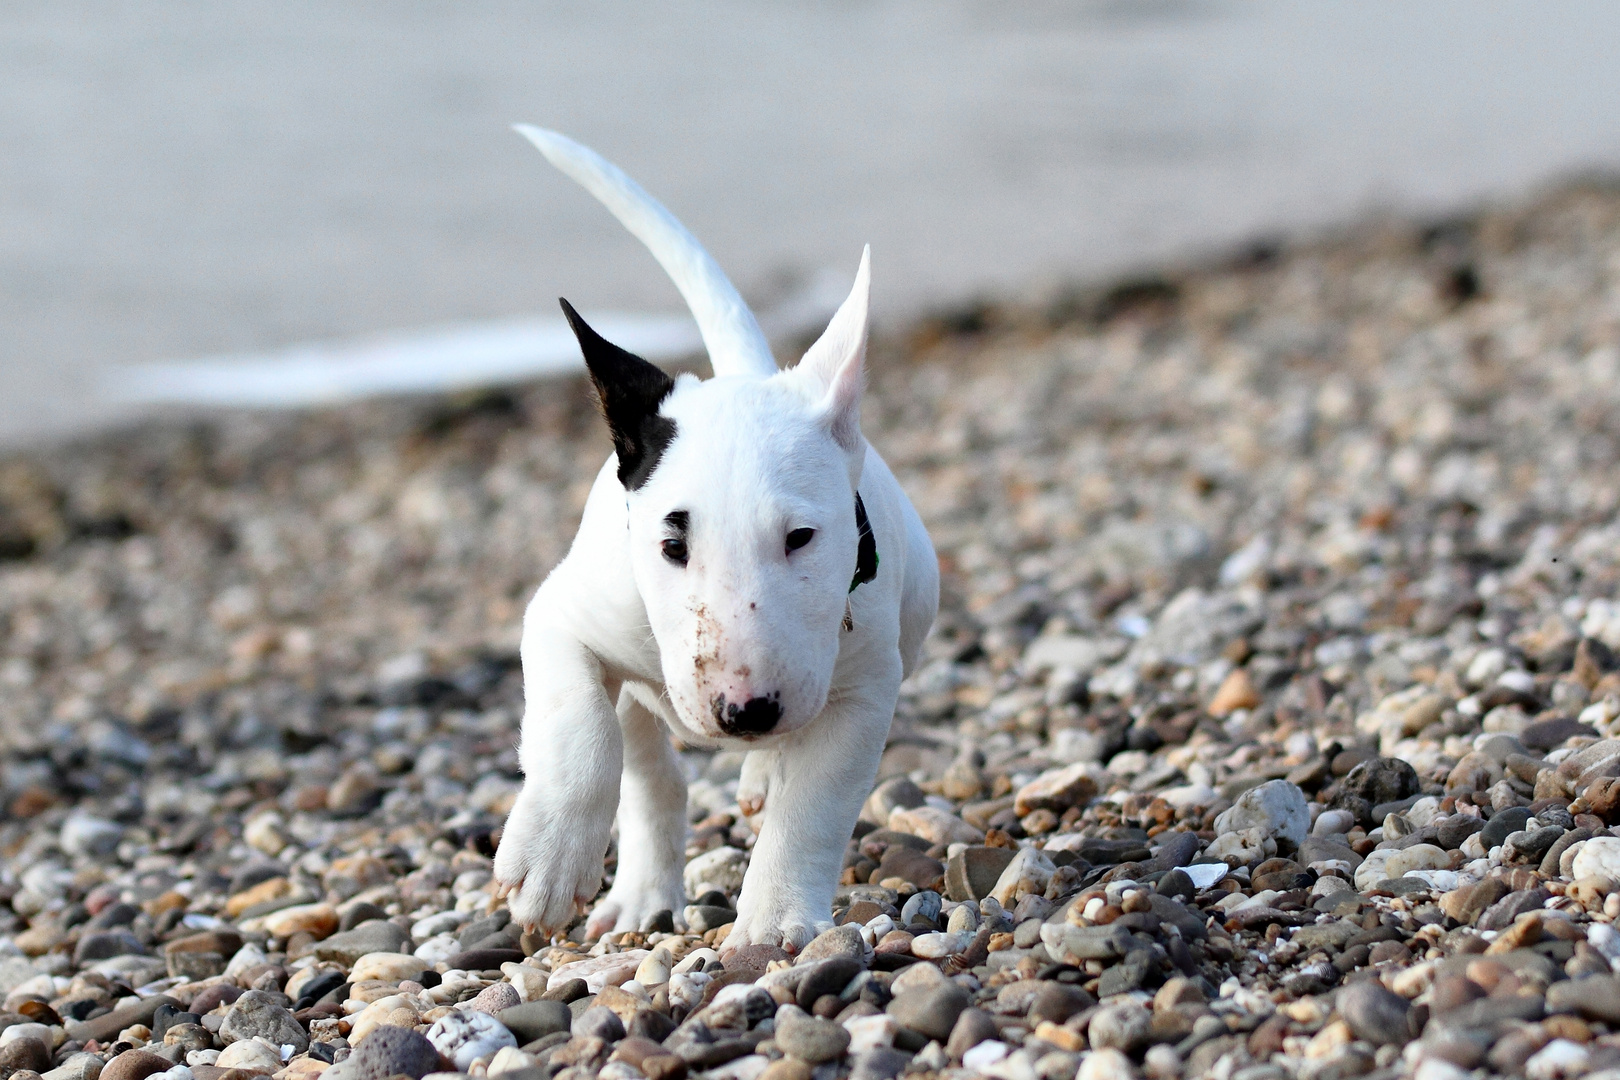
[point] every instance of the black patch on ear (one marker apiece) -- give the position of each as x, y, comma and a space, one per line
866, 555
630, 391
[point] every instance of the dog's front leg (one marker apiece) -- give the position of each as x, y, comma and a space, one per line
652, 827
820, 776
552, 849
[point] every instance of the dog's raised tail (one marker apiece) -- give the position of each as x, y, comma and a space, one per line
733, 338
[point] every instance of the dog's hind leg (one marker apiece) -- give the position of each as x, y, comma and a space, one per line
652, 827
821, 774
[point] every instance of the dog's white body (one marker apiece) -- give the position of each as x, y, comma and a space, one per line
680, 598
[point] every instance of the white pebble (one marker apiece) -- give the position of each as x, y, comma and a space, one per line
986, 1053
935, 946
1205, 874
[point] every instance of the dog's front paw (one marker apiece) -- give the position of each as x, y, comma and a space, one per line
783, 926
548, 867
631, 905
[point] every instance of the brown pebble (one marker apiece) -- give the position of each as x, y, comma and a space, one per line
1488, 974
785, 1069
635, 1049
568, 992
1267, 1039
1451, 991
135, 1065
1568, 1027
670, 1067
1385, 952
1236, 692
1509, 985
25, 1053
1525, 931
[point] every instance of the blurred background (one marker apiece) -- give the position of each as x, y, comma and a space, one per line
191, 180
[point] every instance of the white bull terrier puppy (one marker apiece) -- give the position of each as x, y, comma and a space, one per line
747, 574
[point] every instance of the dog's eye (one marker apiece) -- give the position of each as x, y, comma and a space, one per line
798, 538
675, 551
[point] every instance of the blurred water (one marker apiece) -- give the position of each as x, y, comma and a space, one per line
193, 179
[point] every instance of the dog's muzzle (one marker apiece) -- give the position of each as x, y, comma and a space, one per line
756, 716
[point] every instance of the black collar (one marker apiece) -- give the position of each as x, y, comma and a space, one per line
866, 555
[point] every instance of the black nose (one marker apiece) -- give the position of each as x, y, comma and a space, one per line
756, 716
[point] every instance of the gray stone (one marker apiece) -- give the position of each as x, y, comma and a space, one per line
701, 918
1178, 850
1490, 1011
105, 1028
899, 793
1374, 783
536, 1019
1127, 975
972, 873
1276, 806
827, 977
390, 1050
925, 903
1450, 832
1550, 861
1057, 1002
79, 1066
1335, 934
1125, 1027
973, 1027
1317, 849
882, 1063
88, 836
474, 932
257, 1015
351, 945
1172, 911
1530, 846
1596, 997
14, 971
931, 1011
1460, 1046
1500, 915
24, 1053
809, 1038
601, 1022
105, 945
840, 941
1081, 943
1376, 1014
1504, 824
195, 966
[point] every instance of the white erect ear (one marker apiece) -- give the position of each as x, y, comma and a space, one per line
836, 364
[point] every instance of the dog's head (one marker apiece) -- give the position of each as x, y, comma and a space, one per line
742, 518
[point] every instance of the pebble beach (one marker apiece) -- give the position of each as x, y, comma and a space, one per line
1270, 729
